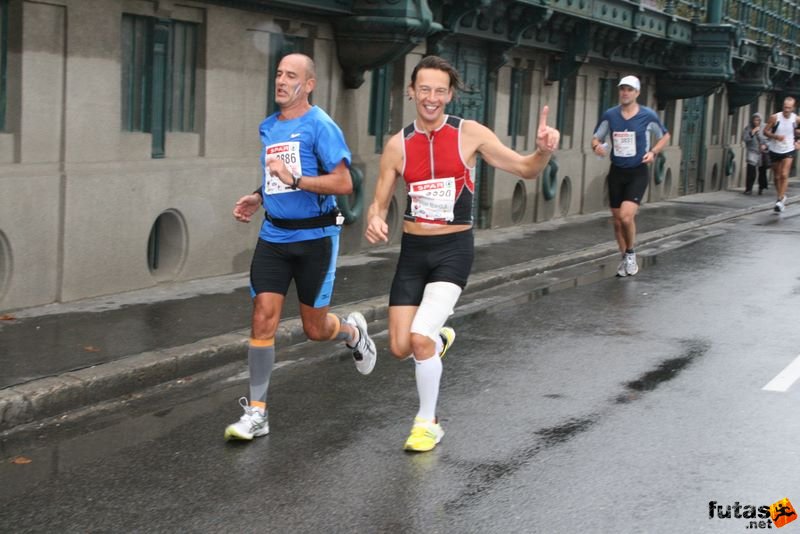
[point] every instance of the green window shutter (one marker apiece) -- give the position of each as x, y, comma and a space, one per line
607, 94
181, 76
137, 37
3, 61
379, 104
161, 34
565, 121
515, 105
159, 77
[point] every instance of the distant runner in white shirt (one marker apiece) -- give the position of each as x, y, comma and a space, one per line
780, 132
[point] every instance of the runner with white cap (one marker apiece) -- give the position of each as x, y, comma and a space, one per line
629, 126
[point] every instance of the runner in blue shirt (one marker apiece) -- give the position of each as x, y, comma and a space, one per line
305, 163
630, 126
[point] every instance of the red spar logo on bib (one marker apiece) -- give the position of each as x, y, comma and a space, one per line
277, 149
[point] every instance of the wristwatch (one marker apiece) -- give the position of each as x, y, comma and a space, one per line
296, 177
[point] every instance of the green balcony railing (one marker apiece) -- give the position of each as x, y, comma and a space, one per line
769, 22
694, 11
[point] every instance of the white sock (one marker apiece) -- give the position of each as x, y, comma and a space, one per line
428, 374
439, 344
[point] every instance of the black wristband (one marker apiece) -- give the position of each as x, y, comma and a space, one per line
258, 192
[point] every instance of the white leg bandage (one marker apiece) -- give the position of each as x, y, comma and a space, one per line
437, 305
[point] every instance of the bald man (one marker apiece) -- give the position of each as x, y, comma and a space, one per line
305, 163
781, 133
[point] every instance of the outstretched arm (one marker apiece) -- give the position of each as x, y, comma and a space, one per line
770, 126
650, 155
797, 134
599, 146
246, 206
478, 138
391, 161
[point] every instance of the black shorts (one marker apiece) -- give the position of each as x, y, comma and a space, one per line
426, 259
776, 156
311, 263
627, 184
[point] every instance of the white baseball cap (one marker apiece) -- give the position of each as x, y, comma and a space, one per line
631, 81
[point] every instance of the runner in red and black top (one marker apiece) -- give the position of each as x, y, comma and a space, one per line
436, 157
437, 178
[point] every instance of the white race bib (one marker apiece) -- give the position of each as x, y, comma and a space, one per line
624, 144
433, 199
787, 145
289, 152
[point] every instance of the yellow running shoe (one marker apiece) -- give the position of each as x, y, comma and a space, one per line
448, 336
424, 435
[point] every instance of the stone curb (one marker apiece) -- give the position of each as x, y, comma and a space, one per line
53, 396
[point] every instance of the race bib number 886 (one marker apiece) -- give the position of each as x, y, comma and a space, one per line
289, 152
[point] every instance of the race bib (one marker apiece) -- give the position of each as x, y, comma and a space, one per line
624, 144
786, 145
433, 199
289, 152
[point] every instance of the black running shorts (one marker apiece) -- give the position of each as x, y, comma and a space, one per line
627, 184
312, 265
776, 156
426, 259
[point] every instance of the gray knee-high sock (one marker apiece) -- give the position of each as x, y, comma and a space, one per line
341, 334
260, 359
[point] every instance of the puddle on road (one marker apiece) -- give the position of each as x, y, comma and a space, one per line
482, 477
666, 371
60, 448
556, 435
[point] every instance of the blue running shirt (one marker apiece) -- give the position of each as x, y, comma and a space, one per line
310, 145
630, 138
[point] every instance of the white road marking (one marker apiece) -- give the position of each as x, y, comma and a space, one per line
785, 378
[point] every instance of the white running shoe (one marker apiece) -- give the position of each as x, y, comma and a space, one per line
621, 271
631, 267
364, 353
779, 206
251, 425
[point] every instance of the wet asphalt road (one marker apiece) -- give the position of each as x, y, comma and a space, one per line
625, 405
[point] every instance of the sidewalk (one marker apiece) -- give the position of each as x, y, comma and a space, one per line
62, 357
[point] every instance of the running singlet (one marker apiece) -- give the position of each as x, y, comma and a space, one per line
784, 127
438, 182
310, 145
630, 138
